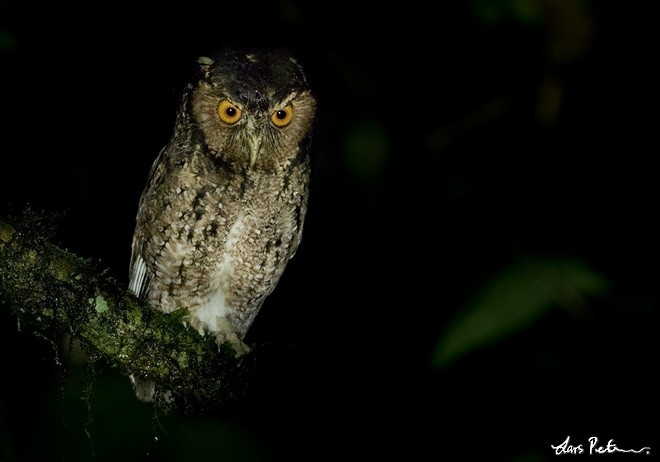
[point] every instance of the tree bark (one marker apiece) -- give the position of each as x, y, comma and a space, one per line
53, 292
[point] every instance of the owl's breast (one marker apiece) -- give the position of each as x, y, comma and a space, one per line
258, 246
219, 250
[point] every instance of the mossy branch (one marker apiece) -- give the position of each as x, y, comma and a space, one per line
52, 292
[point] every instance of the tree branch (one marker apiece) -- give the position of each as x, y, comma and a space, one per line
52, 292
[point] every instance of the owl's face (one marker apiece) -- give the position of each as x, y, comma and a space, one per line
254, 109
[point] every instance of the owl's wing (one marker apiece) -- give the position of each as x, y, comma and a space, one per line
139, 278
138, 281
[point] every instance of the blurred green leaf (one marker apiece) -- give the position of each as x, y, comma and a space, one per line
366, 150
514, 301
7, 40
526, 12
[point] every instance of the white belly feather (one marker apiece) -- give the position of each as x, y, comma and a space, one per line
214, 311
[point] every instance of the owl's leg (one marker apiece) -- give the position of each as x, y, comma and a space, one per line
223, 333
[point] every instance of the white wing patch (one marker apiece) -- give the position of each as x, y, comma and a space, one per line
138, 276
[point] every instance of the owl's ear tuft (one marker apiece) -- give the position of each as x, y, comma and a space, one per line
205, 62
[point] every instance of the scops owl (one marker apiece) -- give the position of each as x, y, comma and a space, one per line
223, 209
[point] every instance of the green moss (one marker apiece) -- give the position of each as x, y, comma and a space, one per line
56, 292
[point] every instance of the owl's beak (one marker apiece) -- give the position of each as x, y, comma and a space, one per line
255, 147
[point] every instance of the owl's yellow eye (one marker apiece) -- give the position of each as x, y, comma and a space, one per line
229, 113
282, 117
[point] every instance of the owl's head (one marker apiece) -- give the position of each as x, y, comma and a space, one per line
254, 109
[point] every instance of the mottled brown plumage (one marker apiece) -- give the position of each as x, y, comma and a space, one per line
223, 209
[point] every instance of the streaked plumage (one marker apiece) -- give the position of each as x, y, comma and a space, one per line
224, 206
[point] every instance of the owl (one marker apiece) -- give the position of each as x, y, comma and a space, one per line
223, 209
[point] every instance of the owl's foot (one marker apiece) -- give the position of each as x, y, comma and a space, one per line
224, 333
236, 343
195, 323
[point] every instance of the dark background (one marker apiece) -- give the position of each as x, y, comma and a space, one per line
456, 142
